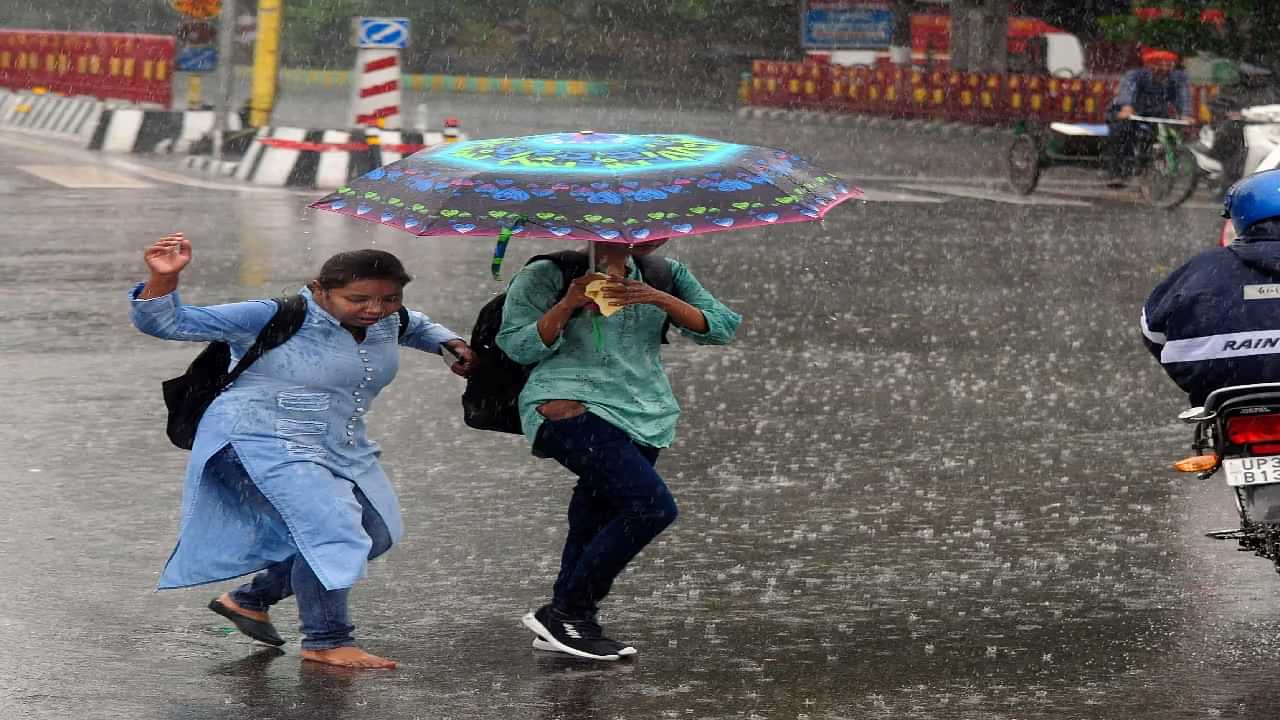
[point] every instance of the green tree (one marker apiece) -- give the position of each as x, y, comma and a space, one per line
1247, 34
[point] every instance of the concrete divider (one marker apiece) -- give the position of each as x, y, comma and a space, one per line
325, 159
131, 130
470, 84
70, 118
99, 125
208, 165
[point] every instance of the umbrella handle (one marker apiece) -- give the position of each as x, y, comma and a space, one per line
500, 249
596, 332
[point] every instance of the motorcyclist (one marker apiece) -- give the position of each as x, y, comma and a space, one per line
1215, 321
1156, 89
1256, 86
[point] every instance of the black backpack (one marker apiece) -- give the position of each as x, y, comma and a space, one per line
190, 394
491, 400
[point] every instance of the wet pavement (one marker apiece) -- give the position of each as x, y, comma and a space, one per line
928, 481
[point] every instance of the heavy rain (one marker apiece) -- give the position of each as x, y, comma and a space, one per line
930, 477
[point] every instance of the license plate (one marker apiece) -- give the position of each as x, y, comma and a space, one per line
1252, 470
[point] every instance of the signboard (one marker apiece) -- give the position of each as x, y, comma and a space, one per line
846, 24
200, 9
386, 33
196, 53
197, 32
196, 59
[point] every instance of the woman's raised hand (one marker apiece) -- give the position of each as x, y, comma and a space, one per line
168, 255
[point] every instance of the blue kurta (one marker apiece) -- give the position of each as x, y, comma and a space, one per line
296, 419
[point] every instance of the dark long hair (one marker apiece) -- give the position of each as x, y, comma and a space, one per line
348, 267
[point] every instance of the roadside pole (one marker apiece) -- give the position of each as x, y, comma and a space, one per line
222, 98
266, 58
900, 33
195, 98
979, 35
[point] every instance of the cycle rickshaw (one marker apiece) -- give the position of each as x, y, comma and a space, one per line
1165, 170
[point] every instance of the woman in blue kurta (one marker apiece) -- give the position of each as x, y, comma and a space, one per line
599, 403
281, 477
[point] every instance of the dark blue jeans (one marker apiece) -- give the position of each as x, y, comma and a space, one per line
619, 505
322, 613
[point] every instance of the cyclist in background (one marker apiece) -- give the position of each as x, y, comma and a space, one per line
1157, 89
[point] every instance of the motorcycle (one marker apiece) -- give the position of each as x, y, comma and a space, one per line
1262, 152
1261, 143
1237, 430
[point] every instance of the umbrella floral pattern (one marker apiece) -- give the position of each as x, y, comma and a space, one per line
603, 187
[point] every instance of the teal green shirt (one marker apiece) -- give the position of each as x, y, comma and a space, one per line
622, 382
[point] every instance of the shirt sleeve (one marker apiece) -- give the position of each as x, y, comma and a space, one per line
425, 335
722, 323
532, 293
167, 318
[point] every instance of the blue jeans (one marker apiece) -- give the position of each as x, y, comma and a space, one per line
619, 505
321, 613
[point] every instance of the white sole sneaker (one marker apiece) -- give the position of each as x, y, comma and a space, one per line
553, 645
544, 646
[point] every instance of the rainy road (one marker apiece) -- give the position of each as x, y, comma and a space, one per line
927, 482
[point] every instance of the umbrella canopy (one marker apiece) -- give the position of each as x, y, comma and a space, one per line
602, 187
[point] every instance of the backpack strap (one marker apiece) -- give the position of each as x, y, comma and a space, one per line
572, 264
291, 311
655, 270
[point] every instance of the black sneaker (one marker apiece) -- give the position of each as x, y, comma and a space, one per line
580, 638
544, 646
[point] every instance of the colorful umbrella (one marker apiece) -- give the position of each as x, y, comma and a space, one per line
601, 187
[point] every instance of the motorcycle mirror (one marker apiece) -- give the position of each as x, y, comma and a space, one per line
1196, 414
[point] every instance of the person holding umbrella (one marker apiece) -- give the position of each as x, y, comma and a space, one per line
282, 479
599, 402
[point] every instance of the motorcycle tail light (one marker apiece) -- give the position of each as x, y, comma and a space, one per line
1197, 463
1251, 429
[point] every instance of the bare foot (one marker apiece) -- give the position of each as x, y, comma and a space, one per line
258, 615
348, 656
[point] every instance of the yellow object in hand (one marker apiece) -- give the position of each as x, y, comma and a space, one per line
595, 291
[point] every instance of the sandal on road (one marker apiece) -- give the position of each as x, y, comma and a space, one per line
263, 632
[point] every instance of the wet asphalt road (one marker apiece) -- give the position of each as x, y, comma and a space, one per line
928, 481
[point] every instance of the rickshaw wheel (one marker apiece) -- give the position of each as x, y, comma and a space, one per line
1168, 181
1024, 164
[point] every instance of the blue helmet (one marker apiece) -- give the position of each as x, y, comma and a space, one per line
1252, 200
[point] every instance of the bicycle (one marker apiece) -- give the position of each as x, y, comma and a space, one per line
1167, 171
